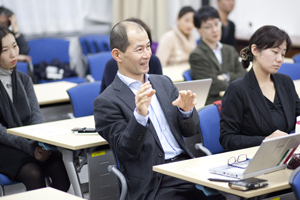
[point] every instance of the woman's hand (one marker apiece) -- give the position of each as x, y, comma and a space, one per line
40, 154
276, 133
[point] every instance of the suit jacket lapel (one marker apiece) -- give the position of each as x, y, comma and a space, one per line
210, 54
127, 96
259, 99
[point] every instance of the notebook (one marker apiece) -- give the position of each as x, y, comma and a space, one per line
272, 155
200, 87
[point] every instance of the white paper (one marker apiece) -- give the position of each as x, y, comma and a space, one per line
43, 130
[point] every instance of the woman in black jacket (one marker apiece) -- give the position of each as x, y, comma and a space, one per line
263, 104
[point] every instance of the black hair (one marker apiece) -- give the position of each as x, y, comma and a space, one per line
147, 29
4, 32
265, 37
5, 11
118, 35
185, 10
203, 14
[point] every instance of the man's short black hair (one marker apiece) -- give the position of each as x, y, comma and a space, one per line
118, 35
203, 14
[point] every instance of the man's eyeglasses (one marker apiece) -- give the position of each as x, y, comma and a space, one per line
211, 26
240, 162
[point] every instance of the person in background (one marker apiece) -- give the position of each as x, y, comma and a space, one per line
21, 159
263, 104
212, 59
228, 27
8, 19
144, 118
111, 67
175, 46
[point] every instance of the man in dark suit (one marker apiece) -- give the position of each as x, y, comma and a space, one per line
212, 59
228, 27
144, 119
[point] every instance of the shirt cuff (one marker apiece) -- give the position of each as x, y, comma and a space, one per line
185, 114
140, 118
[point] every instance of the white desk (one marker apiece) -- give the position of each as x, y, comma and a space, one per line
175, 72
66, 141
277, 180
47, 193
50, 93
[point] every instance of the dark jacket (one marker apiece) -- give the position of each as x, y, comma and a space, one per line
204, 64
138, 147
229, 37
245, 117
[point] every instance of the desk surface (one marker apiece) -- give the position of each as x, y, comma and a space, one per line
50, 93
277, 180
175, 72
66, 138
47, 193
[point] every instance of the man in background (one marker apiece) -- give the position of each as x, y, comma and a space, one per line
228, 27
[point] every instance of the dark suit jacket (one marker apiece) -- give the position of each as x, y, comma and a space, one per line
111, 69
229, 38
138, 147
204, 64
245, 117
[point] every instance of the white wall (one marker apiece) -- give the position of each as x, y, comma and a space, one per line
284, 14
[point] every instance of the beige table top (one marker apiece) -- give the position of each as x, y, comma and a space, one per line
56, 92
62, 134
175, 72
47, 193
297, 86
277, 180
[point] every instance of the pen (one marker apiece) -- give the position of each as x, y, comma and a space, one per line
220, 180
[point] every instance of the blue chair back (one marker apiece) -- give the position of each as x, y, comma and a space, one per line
47, 49
82, 98
294, 181
187, 75
22, 67
210, 128
291, 69
154, 47
4, 181
102, 44
296, 58
97, 64
88, 44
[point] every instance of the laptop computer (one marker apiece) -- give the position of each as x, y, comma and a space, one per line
200, 87
272, 155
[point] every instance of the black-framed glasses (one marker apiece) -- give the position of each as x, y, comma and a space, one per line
240, 162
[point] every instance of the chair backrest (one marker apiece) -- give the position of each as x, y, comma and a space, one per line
47, 49
88, 44
291, 69
154, 47
97, 64
22, 67
4, 181
294, 181
210, 128
187, 75
296, 58
102, 44
82, 98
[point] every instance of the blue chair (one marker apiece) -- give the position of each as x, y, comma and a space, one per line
22, 67
294, 181
5, 181
48, 49
82, 98
88, 45
291, 69
154, 47
210, 130
102, 44
296, 58
97, 64
187, 75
